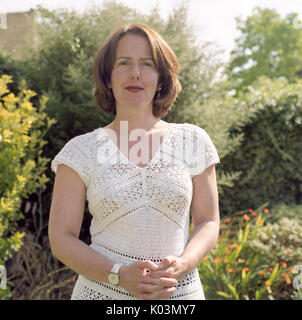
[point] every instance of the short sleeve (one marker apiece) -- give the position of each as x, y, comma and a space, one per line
204, 152
75, 155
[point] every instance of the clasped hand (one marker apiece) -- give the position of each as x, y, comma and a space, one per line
149, 281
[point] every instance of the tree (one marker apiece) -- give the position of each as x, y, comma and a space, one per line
268, 45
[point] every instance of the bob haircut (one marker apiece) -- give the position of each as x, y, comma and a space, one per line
165, 61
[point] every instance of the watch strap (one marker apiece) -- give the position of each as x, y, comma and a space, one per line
116, 268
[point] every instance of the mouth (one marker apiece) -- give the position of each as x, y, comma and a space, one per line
134, 88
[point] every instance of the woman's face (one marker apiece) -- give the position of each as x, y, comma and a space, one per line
134, 77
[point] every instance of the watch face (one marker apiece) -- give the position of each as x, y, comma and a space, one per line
113, 278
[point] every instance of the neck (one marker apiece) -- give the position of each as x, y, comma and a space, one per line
138, 122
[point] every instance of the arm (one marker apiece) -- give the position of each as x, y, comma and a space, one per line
66, 216
205, 217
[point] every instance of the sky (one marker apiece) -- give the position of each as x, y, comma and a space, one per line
213, 20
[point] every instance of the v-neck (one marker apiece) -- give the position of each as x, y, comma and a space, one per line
168, 130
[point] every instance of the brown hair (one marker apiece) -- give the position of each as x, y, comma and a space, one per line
165, 62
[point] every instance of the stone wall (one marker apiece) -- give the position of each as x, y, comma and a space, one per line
20, 33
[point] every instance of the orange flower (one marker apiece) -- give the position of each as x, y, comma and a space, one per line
227, 220
262, 273
265, 210
284, 265
270, 269
287, 279
288, 251
292, 270
258, 219
204, 259
218, 260
268, 283
246, 269
252, 212
227, 252
237, 247
229, 270
246, 217
225, 260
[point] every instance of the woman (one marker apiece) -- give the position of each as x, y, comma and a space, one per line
141, 201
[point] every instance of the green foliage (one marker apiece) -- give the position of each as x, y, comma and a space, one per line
268, 45
270, 155
253, 259
22, 128
61, 65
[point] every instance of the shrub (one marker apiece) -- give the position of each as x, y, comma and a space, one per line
21, 166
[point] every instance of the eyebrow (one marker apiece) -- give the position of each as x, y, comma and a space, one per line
130, 58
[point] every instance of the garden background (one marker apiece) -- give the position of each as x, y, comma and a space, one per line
252, 111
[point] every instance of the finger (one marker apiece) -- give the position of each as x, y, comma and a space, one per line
161, 281
164, 293
164, 272
167, 261
147, 264
149, 288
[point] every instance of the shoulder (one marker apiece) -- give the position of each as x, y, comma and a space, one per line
86, 138
85, 142
189, 130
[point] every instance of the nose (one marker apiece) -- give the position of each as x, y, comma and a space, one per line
135, 72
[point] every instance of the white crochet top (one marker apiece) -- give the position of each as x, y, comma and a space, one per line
137, 212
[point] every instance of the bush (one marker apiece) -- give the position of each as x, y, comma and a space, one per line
253, 259
21, 166
270, 155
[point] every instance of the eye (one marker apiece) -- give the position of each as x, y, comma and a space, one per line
123, 63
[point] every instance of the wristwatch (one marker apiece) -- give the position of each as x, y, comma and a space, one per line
113, 276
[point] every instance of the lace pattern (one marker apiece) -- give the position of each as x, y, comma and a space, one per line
139, 212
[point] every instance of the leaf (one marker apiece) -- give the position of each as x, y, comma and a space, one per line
233, 290
274, 273
224, 294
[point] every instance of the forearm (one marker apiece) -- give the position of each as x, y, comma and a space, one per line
202, 241
81, 258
